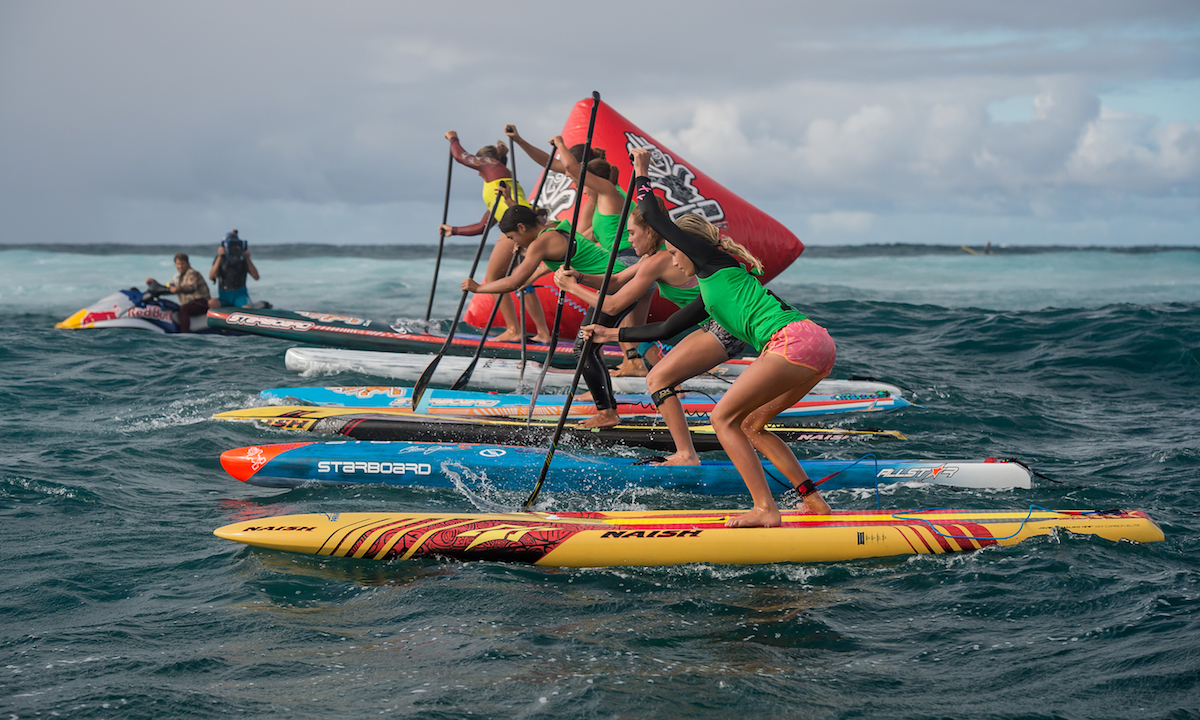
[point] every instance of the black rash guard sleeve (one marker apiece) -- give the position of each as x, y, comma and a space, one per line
691, 314
707, 258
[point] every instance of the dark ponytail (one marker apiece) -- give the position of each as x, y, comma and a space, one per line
518, 215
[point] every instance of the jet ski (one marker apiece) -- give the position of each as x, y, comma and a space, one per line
140, 310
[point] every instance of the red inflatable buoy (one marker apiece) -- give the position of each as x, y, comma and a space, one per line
685, 190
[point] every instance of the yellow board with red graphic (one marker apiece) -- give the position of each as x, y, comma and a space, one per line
601, 539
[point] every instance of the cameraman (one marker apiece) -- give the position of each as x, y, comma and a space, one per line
229, 268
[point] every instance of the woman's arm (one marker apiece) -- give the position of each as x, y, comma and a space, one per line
487, 167
466, 230
631, 290
535, 154
681, 320
521, 274
706, 258
615, 283
609, 198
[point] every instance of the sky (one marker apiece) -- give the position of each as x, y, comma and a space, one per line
865, 121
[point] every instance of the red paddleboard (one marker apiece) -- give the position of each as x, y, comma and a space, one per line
684, 188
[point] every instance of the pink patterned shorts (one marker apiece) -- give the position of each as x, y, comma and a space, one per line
804, 343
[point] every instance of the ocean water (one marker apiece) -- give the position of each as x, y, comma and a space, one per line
117, 601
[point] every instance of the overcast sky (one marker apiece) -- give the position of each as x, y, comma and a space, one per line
1063, 122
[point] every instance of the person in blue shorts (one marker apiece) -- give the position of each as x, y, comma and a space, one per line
229, 270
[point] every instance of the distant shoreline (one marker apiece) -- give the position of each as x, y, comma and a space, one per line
461, 250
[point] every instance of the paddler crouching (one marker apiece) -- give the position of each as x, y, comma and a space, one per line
699, 352
794, 352
545, 247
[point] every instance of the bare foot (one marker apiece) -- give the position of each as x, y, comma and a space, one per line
813, 504
541, 339
602, 419
758, 517
584, 397
508, 336
630, 368
680, 460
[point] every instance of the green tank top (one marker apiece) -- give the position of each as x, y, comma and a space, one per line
678, 296
589, 258
741, 305
604, 229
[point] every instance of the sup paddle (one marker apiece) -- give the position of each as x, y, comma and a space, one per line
441, 238
423, 381
466, 375
536, 194
587, 345
465, 378
587, 156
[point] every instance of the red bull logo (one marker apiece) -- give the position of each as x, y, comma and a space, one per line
101, 315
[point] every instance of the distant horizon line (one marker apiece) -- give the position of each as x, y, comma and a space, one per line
465, 249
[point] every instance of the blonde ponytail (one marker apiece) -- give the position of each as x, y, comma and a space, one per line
697, 225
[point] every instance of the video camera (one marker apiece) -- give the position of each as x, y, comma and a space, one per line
235, 247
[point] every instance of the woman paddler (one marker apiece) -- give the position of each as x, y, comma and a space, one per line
607, 199
699, 352
490, 162
794, 352
546, 246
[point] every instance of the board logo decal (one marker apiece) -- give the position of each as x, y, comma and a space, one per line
325, 317
269, 322
508, 533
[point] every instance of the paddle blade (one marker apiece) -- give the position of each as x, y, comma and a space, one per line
423, 382
463, 379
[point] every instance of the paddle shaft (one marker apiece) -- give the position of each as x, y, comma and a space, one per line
423, 381
465, 378
593, 314
587, 156
441, 238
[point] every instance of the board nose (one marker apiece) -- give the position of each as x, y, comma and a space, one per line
243, 462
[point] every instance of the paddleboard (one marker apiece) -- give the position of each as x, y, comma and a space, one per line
503, 375
511, 467
452, 402
355, 333
389, 424
604, 539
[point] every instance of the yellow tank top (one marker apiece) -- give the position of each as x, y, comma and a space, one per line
490, 189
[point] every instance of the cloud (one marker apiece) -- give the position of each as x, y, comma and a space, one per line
806, 109
841, 222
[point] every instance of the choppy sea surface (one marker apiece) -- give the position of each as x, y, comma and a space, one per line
117, 601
